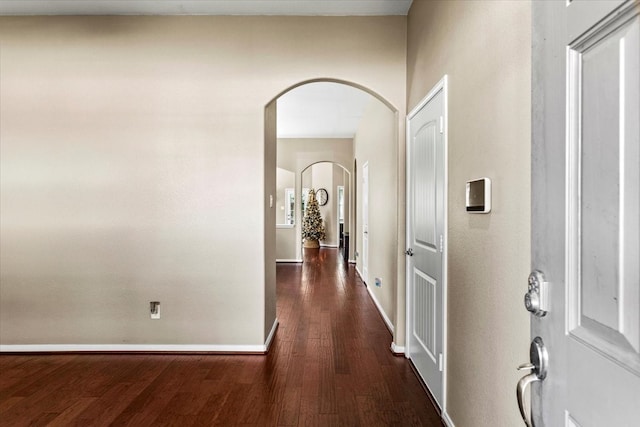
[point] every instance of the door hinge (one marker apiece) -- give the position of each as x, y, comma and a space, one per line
441, 124
441, 243
440, 362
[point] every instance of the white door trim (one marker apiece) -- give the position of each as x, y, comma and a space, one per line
365, 213
442, 85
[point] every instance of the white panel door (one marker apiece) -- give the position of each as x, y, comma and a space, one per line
425, 238
586, 210
365, 223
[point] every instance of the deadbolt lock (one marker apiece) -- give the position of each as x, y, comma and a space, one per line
536, 300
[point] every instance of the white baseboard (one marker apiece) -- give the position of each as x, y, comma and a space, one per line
381, 310
207, 348
322, 245
288, 260
352, 261
157, 348
272, 333
359, 274
447, 420
397, 349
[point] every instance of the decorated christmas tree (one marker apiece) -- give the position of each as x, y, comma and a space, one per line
312, 227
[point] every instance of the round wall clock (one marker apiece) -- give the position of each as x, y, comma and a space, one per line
322, 196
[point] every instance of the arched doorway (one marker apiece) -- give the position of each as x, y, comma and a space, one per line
336, 213
384, 160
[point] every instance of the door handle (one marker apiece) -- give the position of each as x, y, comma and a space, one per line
409, 252
520, 390
539, 362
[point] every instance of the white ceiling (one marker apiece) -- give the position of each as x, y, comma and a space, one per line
321, 110
205, 7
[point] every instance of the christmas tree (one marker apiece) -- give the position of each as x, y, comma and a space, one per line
312, 227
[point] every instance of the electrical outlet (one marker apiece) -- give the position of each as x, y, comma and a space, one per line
356, 254
154, 307
378, 282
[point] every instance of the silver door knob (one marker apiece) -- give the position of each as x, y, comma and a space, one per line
539, 362
409, 252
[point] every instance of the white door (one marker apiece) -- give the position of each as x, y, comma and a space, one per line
425, 238
586, 212
365, 222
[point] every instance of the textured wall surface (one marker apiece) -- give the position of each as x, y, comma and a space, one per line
373, 145
133, 167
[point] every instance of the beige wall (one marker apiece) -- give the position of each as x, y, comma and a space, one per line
299, 153
118, 137
375, 145
484, 48
286, 244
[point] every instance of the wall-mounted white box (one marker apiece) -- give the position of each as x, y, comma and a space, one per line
479, 195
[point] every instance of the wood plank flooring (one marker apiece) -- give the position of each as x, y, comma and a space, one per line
329, 365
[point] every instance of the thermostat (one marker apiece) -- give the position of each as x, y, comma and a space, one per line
479, 195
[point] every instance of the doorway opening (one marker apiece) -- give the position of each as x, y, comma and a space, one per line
336, 127
335, 180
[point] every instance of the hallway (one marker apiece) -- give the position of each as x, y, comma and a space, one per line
334, 335
329, 365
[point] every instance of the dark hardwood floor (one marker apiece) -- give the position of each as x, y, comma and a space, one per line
329, 365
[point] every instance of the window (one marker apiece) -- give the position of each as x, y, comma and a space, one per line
305, 195
289, 206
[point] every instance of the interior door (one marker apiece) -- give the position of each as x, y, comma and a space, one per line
365, 222
585, 212
425, 237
